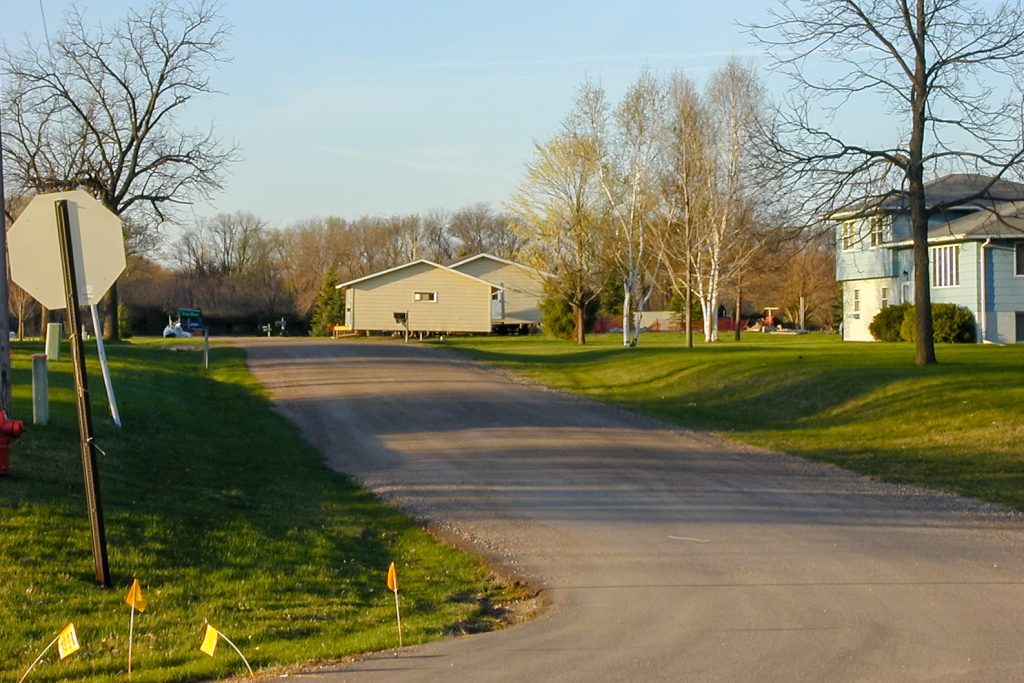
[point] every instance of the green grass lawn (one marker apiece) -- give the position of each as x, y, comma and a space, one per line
224, 514
957, 426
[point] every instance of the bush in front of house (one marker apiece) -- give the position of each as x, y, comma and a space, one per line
887, 325
951, 324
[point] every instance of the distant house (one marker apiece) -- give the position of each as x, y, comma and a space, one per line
516, 304
420, 296
976, 256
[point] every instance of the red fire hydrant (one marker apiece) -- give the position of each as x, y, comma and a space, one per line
9, 429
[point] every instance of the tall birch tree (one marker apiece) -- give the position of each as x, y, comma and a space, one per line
629, 149
733, 110
687, 190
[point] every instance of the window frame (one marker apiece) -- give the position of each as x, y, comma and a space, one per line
876, 230
848, 235
1018, 259
855, 304
425, 297
944, 262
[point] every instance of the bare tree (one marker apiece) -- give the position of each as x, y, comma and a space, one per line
928, 62
744, 195
97, 110
687, 187
235, 240
629, 151
477, 229
436, 236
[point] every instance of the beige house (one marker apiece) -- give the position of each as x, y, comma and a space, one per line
516, 302
421, 296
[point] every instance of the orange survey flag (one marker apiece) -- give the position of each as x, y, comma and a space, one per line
392, 579
134, 597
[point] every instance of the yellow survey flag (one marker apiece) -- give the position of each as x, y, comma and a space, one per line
134, 597
392, 579
67, 641
209, 640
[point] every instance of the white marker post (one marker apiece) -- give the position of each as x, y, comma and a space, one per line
105, 366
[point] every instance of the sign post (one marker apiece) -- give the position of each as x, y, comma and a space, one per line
88, 448
66, 263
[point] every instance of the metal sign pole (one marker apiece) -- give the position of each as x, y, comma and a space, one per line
89, 466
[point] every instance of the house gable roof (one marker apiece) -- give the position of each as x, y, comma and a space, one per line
498, 259
953, 188
952, 191
409, 265
1005, 220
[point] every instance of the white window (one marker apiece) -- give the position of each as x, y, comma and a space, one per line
876, 230
856, 301
945, 266
885, 297
849, 235
1019, 253
424, 296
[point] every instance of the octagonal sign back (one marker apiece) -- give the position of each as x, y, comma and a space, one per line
96, 239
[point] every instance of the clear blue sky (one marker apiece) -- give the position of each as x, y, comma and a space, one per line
357, 107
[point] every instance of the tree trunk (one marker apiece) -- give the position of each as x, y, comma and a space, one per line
689, 309
739, 311
925, 342
706, 314
111, 322
627, 311
44, 318
578, 322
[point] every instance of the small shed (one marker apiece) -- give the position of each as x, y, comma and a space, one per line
516, 302
421, 296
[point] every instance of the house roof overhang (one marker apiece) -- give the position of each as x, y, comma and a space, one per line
431, 264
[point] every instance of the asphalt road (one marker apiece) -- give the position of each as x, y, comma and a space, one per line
665, 555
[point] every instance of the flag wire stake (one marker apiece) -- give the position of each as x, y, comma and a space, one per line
235, 647
41, 655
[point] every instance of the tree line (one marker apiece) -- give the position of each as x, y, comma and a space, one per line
664, 191
700, 192
240, 270
96, 108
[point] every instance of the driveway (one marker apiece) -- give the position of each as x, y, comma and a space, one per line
664, 554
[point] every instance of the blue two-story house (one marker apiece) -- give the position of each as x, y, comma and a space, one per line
975, 248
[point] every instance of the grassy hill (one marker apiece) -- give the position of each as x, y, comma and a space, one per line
224, 514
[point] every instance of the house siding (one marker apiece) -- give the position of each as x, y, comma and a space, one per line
855, 325
862, 261
966, 293
1009, 296
523, 288
1006, 300
462, 305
